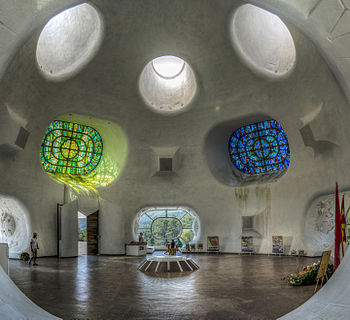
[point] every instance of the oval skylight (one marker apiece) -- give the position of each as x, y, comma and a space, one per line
69, 41
167, 84
263, 41
168, 66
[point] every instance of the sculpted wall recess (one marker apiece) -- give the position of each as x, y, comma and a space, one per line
14, 225
319, 222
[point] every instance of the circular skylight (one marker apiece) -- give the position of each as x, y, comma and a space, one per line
167, 84
263, 41
69, 41
168, 66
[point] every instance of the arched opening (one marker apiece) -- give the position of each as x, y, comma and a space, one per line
161, 224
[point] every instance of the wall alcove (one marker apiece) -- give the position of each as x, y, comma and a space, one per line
216, 151
159, 224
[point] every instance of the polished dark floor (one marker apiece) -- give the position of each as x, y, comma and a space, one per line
103, 287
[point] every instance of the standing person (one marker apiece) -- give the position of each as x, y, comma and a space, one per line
179, 243
34, 247
141, 239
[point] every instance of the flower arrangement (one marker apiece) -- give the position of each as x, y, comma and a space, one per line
308, 275
24, 256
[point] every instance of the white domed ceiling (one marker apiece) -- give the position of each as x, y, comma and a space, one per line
228, 96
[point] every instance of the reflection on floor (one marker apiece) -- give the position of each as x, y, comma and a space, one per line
103, 287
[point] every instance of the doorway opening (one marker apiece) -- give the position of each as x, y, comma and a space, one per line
82, 234
92, 234
77, 233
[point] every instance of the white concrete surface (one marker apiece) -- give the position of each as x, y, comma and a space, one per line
88, 205
111, 228
164, 94
15, 225
69, 41
330, 302
4, 257
14, 305
167, 258
228, 96
68, 244
136, 250
263, 41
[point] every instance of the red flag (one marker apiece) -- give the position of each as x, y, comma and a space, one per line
343, 226
337, 229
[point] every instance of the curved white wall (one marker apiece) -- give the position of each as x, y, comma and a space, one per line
223, 97
15, 226
330, 302
313, 85
14, 305
111, 228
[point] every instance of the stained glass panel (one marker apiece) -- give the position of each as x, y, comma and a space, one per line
260, 148
70, 148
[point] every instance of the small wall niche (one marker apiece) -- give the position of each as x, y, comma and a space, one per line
13, 135
165, 164
165, 160
247, 222
22, 138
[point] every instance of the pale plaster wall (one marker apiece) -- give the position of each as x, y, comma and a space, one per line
112, 228
330, 302
69, 230
107, 88
16, 305
316, 161
15, 227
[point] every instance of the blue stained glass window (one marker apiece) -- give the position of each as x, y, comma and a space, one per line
260, 148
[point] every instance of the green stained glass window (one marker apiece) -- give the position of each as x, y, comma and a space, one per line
70, 148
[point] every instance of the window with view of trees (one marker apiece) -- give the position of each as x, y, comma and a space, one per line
161, 224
